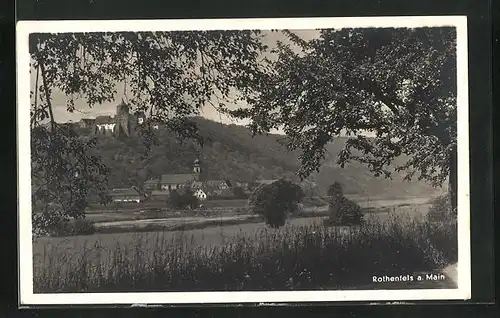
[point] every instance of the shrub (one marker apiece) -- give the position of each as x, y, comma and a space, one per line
183, 200
75, 227
275, 200
335, 190
342, 211
239, 193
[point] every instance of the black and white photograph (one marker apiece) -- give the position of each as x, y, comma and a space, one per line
243, 160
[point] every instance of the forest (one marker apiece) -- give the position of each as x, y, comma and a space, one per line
231, 152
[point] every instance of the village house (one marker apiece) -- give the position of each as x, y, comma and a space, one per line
87, 122
197, 184
159, 188
151, 185
213, 187
218, 184
125, 195
200, 194
169, 182
217, 187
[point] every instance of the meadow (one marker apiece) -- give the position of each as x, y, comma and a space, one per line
302, 255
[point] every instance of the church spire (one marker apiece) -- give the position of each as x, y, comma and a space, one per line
197, 168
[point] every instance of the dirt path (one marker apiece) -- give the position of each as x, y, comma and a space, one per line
168, 220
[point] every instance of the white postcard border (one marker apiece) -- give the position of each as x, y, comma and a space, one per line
26, 295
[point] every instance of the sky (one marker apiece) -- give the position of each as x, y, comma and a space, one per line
109, 108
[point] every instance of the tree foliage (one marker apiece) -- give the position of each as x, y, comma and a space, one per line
239, 193
64, 175
182, 200
169, 76
231, 153
396, 84
275, 200
342, 210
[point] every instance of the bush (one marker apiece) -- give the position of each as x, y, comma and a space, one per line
183, 200
275, 200
75, 227
275, 218
342, 210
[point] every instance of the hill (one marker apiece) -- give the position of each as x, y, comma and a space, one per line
230, 152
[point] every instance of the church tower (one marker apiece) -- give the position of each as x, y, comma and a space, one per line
197, 169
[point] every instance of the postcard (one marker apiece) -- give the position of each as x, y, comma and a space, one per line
223, 161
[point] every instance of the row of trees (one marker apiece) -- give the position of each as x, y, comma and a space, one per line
397, 84
281, 198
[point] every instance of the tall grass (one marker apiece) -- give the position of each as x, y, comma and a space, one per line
289, 258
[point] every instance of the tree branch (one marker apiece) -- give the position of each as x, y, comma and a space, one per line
36, 95
47, 94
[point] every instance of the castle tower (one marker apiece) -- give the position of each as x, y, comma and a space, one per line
122, 119
197, 169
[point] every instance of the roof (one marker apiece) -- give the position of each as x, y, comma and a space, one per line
176, 178
216, 183
152, 181
124, 191
158, 192
197, 184
104, 120
87, 120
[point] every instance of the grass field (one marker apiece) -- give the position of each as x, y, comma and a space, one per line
302, 255
216, 235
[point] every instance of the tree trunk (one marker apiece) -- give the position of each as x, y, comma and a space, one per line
47, 95
452, 183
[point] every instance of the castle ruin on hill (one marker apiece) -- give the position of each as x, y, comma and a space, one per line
123, 124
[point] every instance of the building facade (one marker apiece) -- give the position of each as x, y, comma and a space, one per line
200, 194
123, 124
170, 182
125, 195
